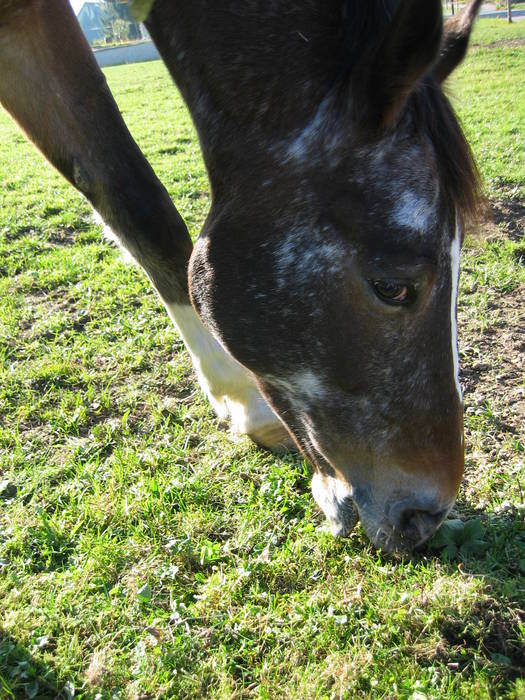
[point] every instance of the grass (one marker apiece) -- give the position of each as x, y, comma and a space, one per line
144, 553
486, 90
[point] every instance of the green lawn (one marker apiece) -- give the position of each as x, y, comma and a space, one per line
145, 553
489, 93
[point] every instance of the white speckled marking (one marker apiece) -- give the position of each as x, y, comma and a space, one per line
303, 252
301, 389
298, 149
413, 211
308, 384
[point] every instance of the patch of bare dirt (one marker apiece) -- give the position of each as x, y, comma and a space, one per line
493, 365
492, 628
11, 236
492, 353
63, 236
504, 218
57, 304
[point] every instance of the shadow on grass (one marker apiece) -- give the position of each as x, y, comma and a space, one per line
510, 214
490, 632
472, 629
24, 677
21, 676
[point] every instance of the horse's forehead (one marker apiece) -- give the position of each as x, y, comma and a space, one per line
415, 210
398, 174
400, 179
398, 164
371, 194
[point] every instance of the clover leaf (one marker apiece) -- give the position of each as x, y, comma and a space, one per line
457, 538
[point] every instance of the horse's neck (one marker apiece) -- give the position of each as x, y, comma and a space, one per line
248, 71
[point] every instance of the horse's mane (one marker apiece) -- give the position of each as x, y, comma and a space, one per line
428, 109
365, 24
433, 116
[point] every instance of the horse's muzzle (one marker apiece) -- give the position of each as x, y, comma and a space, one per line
406, 525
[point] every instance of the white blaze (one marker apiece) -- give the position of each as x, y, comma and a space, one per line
454, 272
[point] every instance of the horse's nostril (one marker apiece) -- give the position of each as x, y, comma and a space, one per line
419, 524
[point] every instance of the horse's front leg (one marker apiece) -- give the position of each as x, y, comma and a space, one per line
230, 387
52, 86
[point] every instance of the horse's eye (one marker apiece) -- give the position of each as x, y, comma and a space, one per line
392, 291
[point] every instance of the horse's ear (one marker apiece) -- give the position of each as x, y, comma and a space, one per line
456, 36
410, 47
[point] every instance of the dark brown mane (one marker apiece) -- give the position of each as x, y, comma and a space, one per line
433, 115
364, 24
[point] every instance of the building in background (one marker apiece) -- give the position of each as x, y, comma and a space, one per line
90, 19
108, 22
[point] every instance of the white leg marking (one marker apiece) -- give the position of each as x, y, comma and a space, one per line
333, 497
229, 386
454, 272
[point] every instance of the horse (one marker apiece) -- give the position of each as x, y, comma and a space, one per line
319, 302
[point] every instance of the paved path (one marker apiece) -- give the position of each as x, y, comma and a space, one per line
516, 14
489, 11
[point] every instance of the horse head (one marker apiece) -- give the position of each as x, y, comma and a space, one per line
330, 270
